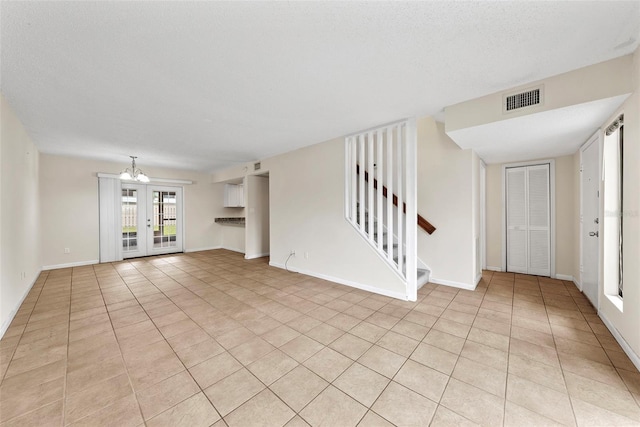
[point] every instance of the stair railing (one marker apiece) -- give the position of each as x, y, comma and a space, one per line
389, 152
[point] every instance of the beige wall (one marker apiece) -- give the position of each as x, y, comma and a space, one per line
307, 215
563, 90
446, 188
626, 322
69, 203
565, 216
20, 261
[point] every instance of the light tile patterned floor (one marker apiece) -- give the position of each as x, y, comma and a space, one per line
211, 339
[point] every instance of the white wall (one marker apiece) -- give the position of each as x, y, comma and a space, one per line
446, 191
307, 215
257, 220
626, 323
69, 203
20, 260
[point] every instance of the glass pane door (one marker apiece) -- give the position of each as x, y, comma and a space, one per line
133, 221
165, 233
151, 220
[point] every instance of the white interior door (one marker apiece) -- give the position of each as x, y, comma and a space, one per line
589, 208
151, 220
528, 220
516, 192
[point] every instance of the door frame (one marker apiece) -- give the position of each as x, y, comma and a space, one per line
483, 215
150, 187
552, 210
596, 138
142, 239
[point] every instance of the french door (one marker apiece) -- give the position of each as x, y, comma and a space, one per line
528, 220
151, 220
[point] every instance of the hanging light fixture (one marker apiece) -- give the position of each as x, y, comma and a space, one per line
133, 173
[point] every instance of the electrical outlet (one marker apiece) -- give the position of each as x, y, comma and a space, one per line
67, 250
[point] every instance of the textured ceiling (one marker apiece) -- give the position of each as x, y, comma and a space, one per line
205, 85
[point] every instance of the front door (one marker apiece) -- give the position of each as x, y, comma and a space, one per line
151, 220
589, 220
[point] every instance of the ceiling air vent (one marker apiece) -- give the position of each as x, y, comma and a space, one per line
256, 166
520, 100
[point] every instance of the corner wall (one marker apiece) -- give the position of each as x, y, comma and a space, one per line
20, 260
448, 183
306, 200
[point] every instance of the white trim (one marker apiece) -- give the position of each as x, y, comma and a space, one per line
240, 251
616, 301
70, 264
210, 248
392, 294
253, 256
477, 280
552, 210
598, 139
578, 284
151, 180
13, 313
491, 268
483, 215
635, 359
453, 284
566, 277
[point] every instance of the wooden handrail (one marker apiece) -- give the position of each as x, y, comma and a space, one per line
422, 223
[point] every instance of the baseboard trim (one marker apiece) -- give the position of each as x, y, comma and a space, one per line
240, 251
478, 278
578, 284
368, 288
566, 277
453, 284
254, 256
210, 248
7, 322
498, 269
71, 264
635, 359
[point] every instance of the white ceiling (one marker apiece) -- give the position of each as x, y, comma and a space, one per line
552, 133
205, 85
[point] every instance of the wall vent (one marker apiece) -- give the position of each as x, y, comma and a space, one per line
520, 100
256, 166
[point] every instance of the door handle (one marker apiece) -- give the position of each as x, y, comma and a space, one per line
593, 233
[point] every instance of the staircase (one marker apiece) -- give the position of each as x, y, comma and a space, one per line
423, 271
381, 177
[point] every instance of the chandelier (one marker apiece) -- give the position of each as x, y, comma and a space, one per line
133, 173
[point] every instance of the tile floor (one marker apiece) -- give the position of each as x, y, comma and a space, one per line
211, 339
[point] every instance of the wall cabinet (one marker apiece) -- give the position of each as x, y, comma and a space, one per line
233, 196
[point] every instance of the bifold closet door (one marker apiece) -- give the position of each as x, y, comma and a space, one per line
528, 220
